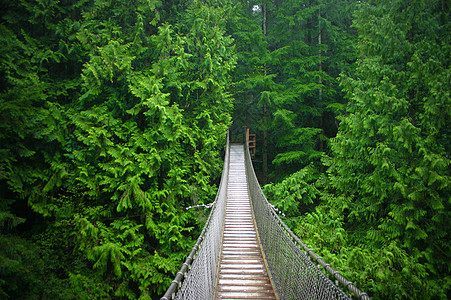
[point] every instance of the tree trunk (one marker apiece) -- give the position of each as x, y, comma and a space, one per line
265, 115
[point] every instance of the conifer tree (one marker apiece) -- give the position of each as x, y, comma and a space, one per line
253, 78
384, 206
305, 60
292, 54
115, 121
392, 153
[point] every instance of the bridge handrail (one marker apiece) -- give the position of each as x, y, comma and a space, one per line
340, 278
336, 274
191, 259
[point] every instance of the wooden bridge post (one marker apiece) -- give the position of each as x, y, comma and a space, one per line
251, 141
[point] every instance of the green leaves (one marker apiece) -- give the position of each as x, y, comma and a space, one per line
108, 254
382, 149
296, 194
380, 216
113, 125
110, 62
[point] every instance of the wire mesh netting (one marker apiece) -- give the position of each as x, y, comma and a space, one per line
293, 273
199, 282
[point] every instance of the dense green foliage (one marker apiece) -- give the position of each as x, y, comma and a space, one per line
381, 213
112, 120
290, 67
114, 114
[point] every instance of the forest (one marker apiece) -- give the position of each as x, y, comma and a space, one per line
114, 116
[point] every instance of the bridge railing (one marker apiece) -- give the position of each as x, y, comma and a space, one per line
290, 262
197, 277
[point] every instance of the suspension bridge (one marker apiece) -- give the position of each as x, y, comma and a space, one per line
245, 251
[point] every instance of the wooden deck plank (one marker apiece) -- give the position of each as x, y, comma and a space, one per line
242, 271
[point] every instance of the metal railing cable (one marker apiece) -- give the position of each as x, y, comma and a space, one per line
197, 277
293, 272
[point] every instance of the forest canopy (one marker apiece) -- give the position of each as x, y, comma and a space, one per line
114, 116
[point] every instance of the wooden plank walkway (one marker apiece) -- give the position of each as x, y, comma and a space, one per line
242, 270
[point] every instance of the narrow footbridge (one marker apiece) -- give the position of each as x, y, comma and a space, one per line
245, 251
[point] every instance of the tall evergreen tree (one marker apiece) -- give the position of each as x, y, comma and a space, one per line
315, 45
384, 206
292, 54
253, 81
114, 124
392, 153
